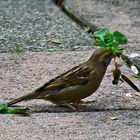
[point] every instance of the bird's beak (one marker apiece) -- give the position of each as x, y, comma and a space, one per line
116, 55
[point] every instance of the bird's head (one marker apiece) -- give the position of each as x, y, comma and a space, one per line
101, 56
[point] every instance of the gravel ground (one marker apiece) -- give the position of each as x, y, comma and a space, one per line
31, 24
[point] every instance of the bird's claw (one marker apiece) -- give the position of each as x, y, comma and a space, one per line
69, 106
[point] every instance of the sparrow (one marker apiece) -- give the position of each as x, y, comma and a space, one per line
75, 84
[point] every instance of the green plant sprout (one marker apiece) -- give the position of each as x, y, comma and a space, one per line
18, 48
4, 109
110, 40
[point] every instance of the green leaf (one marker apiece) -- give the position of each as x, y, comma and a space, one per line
3, 106
137, 75
18, 48
101, 33
109, 40
16, 111
4, 109
119, 38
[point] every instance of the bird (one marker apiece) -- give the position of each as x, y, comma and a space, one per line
75, 84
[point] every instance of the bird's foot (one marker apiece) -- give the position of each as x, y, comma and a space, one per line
69, 106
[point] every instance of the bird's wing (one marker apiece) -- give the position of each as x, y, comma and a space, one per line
76, 76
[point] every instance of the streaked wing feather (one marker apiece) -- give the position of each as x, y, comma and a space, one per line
75, 76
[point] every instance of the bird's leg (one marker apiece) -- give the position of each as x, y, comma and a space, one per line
68, 106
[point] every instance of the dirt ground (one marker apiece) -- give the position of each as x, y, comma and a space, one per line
113, 116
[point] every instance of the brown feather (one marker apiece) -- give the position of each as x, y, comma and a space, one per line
75, 76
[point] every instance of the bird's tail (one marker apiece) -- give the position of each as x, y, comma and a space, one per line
29, 96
